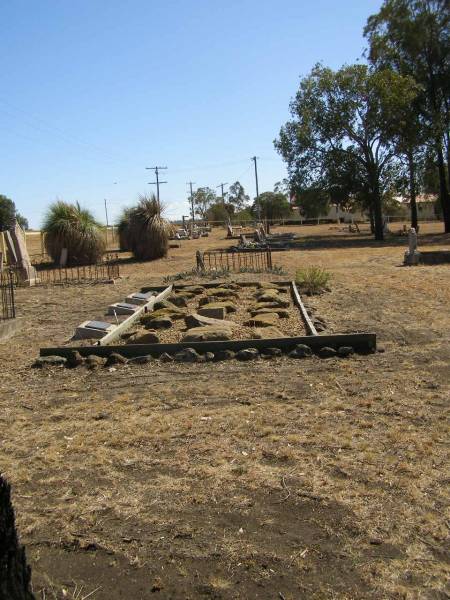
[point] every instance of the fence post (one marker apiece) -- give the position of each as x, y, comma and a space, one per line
200, 262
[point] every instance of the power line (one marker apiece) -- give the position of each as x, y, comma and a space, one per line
157, 182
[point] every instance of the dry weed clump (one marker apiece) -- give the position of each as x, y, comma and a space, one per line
312, 280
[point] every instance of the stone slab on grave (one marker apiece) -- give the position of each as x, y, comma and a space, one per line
122, 308
139, 298
93, 329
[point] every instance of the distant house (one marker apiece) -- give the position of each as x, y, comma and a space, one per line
333, 213
426, 209
426, 206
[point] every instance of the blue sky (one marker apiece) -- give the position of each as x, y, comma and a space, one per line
94, 91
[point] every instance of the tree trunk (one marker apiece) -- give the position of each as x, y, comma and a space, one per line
448, 159
378, 215
371, 219
15, 574
412, 190
443, 189
376, 204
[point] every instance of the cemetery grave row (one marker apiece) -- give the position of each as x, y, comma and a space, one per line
206, 322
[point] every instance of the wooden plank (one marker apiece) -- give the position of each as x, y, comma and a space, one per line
298, 301
363, 343
127, 323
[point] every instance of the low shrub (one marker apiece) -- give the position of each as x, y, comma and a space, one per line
312, 280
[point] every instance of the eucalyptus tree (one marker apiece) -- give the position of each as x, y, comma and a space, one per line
237, 196
204, 198
412, 38
343, 114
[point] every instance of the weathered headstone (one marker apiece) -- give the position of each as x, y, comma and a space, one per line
17, 249
412, 255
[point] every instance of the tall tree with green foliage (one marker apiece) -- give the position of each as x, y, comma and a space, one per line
312, 202
237, 196
412, 37
218, 212
204, 198
274, 205
342, 113
8, 213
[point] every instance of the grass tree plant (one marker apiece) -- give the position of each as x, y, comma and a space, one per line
147, 231
122, 229
75, 228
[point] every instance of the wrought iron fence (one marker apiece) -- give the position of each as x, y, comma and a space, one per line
107, 270
7, 304
47, 274
257, 260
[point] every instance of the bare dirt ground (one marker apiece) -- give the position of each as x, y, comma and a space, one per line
272, 479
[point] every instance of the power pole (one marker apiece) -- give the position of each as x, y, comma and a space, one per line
258, 207
221, 186
157, 182
107, 224
190, 184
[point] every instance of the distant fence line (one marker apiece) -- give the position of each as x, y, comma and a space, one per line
35, 240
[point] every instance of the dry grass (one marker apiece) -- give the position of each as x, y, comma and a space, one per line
313, 479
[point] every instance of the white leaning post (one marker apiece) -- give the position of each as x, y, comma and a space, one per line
125, 325
412, 255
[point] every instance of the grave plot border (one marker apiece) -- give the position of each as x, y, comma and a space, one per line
363, 343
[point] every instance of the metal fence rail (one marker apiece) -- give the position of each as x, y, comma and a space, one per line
104, 271
258, 260
7, 304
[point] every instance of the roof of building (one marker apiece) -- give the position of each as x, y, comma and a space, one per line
420, 199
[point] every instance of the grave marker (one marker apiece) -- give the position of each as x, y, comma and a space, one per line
17, 249
93, 329
412, 255
122, 308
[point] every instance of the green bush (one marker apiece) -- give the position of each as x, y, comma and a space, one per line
312, 280
72, 227
147, 232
